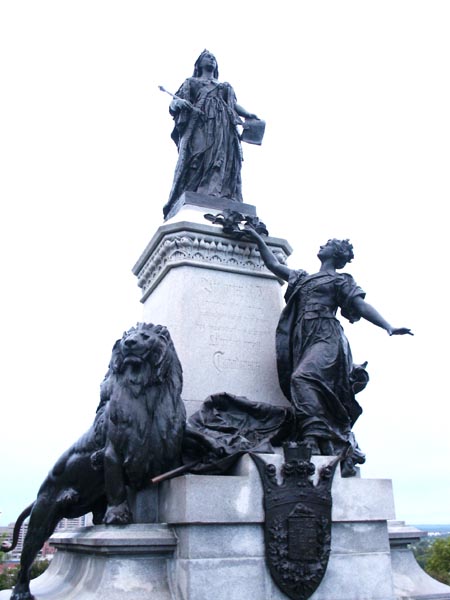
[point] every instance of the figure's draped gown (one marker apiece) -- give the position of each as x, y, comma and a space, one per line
209, 150
315, 364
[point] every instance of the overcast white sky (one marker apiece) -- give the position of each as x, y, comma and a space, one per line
356, 97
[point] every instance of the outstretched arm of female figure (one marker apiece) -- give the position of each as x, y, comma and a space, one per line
270, 260
368, 312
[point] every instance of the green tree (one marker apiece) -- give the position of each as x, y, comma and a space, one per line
38, 567
9, 576
422, 551
437, 563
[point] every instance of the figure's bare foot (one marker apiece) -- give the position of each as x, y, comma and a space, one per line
118, 515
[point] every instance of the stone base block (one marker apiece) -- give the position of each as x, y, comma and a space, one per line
213, 548
410, 581
221, 551
220, 304
222, 579
237, 498
203, 202
108, 563
228, 562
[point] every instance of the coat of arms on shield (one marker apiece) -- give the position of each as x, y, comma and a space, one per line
297, 527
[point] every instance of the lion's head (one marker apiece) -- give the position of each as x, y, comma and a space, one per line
145, 356
141, 395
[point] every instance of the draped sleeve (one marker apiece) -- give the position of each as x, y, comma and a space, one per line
295, 277
229, 94
181, 117
347, 291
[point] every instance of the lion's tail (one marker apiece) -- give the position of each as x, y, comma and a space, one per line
8, 546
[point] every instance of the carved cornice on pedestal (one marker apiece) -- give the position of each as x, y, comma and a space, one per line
205, 246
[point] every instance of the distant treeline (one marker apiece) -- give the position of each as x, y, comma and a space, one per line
433, 554
435, 530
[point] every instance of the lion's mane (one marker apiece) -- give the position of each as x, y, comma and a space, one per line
141, 412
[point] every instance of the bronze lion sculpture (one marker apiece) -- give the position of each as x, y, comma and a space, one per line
137, 434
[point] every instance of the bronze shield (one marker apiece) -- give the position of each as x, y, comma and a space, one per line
297, 527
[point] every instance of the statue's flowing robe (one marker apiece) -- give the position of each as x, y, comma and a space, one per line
314, 360
209, 149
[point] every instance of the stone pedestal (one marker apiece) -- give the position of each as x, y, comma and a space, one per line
222, 306
410, 581
196, 199
221, 546
220, 303
108, 563
212, 547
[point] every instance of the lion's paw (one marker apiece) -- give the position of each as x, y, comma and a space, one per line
25, 594
118, 515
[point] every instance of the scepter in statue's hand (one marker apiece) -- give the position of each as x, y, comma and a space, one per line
182, 102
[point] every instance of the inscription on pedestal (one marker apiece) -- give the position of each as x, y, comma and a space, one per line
232, 323
221, 305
